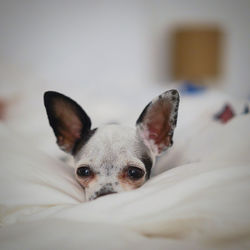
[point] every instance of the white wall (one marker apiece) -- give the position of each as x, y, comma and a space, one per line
115, 42
77, 41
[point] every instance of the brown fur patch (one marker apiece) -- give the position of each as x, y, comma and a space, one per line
127, 183
86, 181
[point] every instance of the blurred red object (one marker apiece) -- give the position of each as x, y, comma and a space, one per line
225, 114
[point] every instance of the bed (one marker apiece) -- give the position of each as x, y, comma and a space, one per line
198, 197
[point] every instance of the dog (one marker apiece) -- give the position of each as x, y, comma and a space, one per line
112, 158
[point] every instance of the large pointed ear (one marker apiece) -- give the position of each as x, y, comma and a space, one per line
68, 120
157, 122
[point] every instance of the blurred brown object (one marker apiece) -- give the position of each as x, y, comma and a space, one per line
3, 106
196, 53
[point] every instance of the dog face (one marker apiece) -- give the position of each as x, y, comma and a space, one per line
112, 158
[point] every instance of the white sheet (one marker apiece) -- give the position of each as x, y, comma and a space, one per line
201, 204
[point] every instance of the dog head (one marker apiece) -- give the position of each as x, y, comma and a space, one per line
112, 158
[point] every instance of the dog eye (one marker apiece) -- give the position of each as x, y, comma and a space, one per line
84, 171
135, 173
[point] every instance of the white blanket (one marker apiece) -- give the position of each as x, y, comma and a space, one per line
202, 203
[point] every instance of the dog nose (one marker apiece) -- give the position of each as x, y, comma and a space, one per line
104, 193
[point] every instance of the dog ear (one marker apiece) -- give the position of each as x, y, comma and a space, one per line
157, 122
68, 120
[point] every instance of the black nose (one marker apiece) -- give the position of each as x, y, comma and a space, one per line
104, 193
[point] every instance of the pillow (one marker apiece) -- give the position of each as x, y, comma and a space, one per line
208, 140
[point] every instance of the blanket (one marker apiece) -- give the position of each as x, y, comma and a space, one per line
202, 201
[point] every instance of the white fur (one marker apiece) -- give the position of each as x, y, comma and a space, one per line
107, 152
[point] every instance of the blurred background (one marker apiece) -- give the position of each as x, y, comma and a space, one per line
115, 56
117, 42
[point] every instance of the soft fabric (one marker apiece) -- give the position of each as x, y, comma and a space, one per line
202, 203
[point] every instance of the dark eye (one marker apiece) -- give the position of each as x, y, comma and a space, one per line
84, 172
135, 173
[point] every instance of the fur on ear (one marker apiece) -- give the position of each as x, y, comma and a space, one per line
69, 121
157, 122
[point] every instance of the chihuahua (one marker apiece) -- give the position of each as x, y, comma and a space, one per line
112, 158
